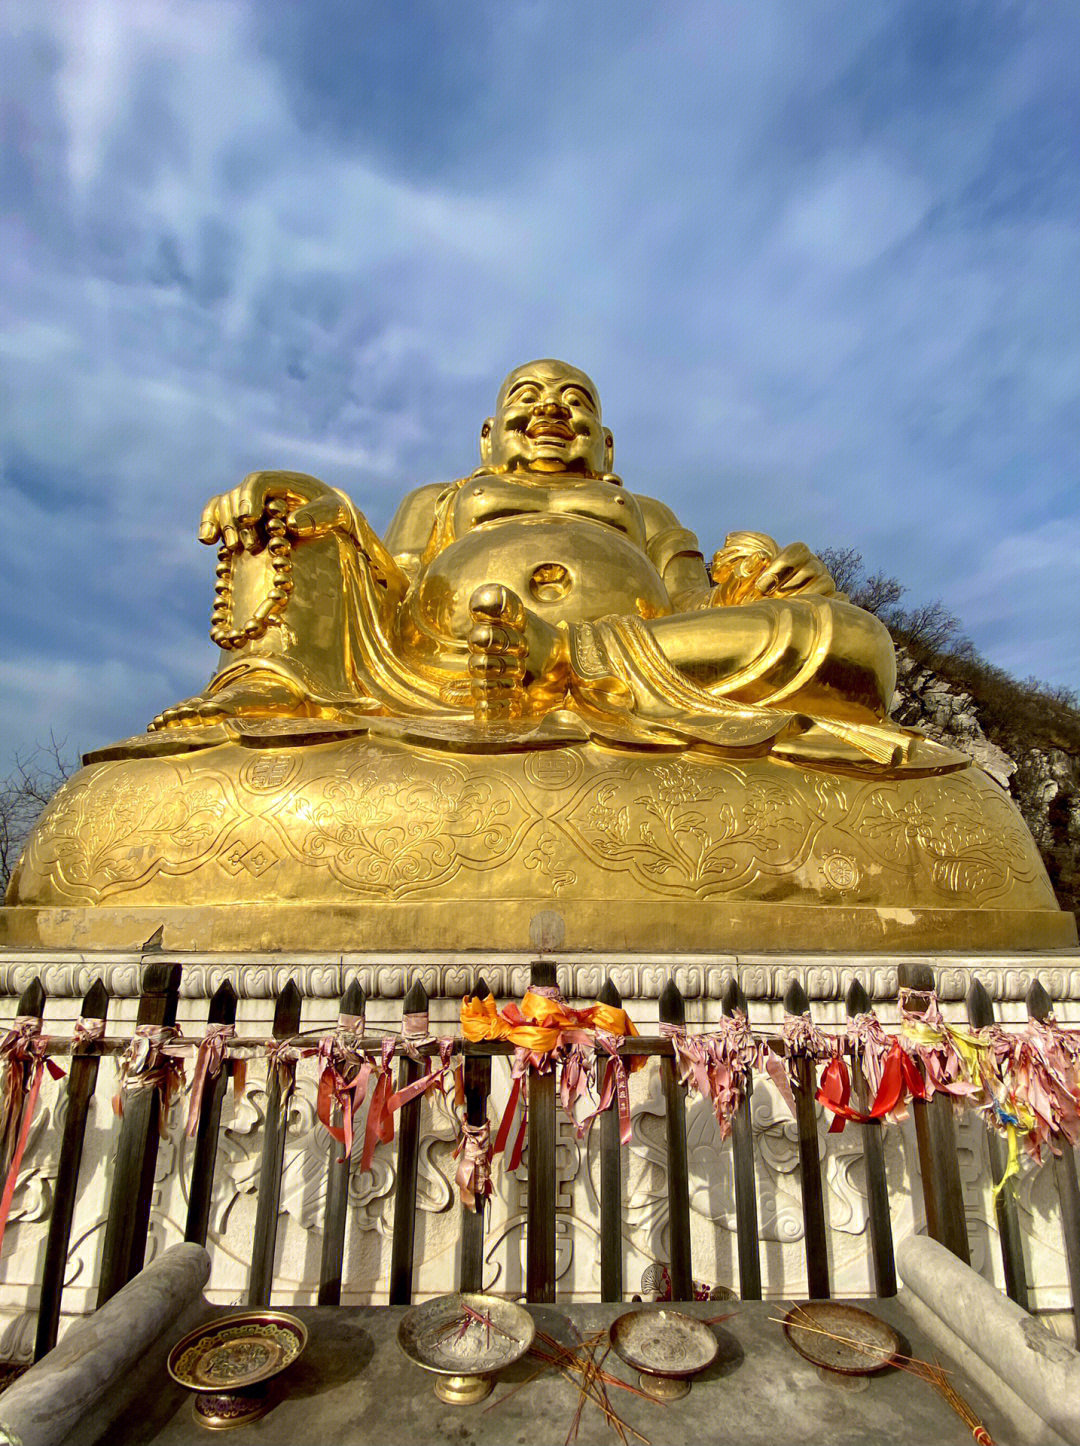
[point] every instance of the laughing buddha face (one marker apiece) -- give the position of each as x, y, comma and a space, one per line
547, 419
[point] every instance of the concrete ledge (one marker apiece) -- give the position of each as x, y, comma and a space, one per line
75, 1392
1008, 1351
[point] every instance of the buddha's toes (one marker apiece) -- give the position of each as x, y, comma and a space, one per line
260, 695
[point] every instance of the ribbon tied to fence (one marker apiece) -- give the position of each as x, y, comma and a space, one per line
23, 1061
545, 1031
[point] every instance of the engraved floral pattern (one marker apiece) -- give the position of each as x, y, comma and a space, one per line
389, 826
689, 830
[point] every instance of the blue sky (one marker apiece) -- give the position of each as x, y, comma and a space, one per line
820, 258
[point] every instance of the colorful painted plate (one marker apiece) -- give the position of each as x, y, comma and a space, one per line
230, 1354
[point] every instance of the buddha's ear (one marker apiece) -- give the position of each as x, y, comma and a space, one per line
485, 441
609, 450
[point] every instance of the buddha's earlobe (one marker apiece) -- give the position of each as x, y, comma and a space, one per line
485, 441
609, 450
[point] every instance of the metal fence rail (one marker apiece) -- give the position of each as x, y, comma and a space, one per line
133, 1167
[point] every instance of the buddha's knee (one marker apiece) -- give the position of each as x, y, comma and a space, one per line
811, 653
851, 666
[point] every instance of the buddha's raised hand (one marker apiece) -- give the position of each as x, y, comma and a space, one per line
795, 571
750, 566
233, 517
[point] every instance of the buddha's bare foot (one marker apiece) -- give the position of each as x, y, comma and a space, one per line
263, 695
497, 651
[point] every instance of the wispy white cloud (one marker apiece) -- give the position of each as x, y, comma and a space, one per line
821, 262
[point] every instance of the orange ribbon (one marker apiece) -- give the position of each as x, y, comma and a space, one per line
542, 1029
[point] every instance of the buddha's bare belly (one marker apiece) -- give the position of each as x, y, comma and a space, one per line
561, 567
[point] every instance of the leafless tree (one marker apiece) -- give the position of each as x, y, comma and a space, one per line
28, 787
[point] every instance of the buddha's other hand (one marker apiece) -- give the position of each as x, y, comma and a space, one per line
233, 518
750, 566
795, 570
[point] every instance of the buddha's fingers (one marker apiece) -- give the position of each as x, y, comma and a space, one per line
499, 604
819, 587
494, 638
210, 521
192, 713
795, 571
785, 565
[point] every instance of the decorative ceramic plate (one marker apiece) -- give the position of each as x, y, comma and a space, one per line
866, 1344
441, 1336
663, 1342
239, 1351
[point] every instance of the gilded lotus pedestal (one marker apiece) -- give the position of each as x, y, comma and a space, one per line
296, 835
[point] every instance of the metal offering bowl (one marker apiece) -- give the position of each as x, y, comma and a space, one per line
227, 1362
464, 1354
865, 1345
665, 1347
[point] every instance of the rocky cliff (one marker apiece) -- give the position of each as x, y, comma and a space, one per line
1027, 740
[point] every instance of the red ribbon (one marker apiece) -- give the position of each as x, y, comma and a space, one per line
23, 1051
348, 1094
834, 1092
523, 1058
380, 1120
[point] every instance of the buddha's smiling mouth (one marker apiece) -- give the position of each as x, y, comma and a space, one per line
550, 430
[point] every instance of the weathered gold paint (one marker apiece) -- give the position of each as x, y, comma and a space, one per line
531, 697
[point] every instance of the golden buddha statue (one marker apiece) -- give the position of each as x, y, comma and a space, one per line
532, 690
539, 583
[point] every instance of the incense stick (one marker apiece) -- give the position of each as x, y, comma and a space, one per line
934, 1373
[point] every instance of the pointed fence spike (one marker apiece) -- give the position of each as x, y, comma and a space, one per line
609, 994
32, 1000
416, 1000
287, 1010
795, 1000
222, 1005
979, 1007
96, 1003
672, 1004
1039, 1003
732, 998
353, 1001
856, 1000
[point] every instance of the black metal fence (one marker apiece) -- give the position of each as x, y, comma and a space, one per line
134, 1165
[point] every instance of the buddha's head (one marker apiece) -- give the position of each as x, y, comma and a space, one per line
547, 419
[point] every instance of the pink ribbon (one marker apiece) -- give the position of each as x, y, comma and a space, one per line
617, 1082
718, 1064
22, 1051
474, 1170
343, 1079
209, 1061
152, 1060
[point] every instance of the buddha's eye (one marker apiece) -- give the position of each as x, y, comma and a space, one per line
577, 399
